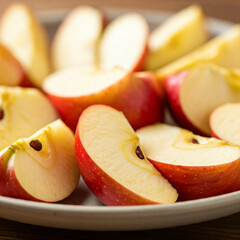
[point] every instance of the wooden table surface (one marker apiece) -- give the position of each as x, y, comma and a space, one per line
224, 228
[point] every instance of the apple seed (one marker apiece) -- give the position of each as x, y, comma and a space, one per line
36, 145
195, 141
1, 113
139, 153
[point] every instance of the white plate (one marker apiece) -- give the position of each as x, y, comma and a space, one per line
84, 212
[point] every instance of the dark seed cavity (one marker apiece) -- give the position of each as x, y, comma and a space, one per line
1, 113
195, 141
36, 145
139, 153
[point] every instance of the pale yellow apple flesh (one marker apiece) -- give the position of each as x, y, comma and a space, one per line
25, 37
111, 143
124, 42
206, 87
23, 111
174, 145
222, 50
177, 36
76, 82
225, 122
75, 42
49, 172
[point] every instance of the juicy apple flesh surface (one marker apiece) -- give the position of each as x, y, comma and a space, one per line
203, 89
46, 171
196, 166
111, 143
124, 42
225, 122
71, 47
82, 81
23, 112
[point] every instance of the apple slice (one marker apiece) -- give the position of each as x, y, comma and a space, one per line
222, 50
124, 43
72, 90
22, 112
11, 71
196, 166
177, 36
225, 122
75, 42
24, 36
42, 167
111, 161
193, 94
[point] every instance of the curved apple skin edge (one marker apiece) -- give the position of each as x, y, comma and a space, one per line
172, 85
140, 63
38, 33
190, 181
104, 22
97, 180
10, 185
213, 134
146, 107
8, 60
8, 177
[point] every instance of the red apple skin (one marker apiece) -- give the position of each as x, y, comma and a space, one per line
104, 187
194, 182
139, 98
172, 87
9, 185
140, 63
214, 134
9, 65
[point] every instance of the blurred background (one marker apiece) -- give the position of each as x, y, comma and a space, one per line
224, 9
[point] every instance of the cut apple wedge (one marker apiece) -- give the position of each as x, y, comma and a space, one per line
222, 50
124, 43
23, 111
111, 161
72, 90
225, 123
11, 71
193, 94
177, 36
25, 37
196, 166
76, 40
42, 167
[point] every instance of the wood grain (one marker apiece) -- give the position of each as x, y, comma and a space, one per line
225, 9
224, 228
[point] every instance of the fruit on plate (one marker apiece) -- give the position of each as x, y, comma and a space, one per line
177, 36
76, 40
111, 161
196, 166
222, 50
42, 167
193, 94
124, 43
25, 37
71, 90
225, 123
23, 111
11, 71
